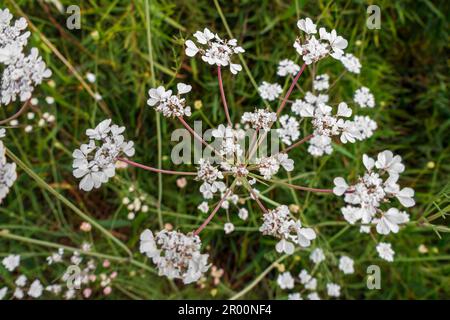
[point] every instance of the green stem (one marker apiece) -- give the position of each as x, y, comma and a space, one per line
65, 201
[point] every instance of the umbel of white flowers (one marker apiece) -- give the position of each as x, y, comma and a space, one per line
214, 50
21, 72
371, 192
176, 255
8, 173
94, 163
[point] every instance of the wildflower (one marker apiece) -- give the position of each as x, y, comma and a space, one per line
243, 214
269, 91
289, 131
294, 296
203, 207
260, 119
36, 289
285, 280
181, 183
321, 82
317, 256
277, 223
21, 281
96, 164
168, 104
228, 227
85, 226
8, 173
91, 77
11, 262
313, 296
365, 198
364, 98
214, 50
346, 265
210, 176
351, 63
313, 49
3, 292
175, 254
307, 280
333, 290
385, 251
286, 67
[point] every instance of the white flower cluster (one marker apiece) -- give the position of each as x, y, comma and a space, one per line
364, 98
21, 72
289, 131
214, 50
269, 166
210, 176
279, 224
351, 63
8, 173
312, 49
228, 140
168, 104
260, 119
176, 255
287, 67
366, 197
269, 91
95, 164
321, 82
326, 125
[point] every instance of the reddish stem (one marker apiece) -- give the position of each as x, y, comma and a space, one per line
255, 196
298, 143
17, 114
213, 213
222, 93
293, 186
291, 88
141, 166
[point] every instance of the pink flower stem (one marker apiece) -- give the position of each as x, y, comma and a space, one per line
141, 166
195, 134
255, 196
222, 93
17, 114
298, 143
291, 88
213, 213
293, 186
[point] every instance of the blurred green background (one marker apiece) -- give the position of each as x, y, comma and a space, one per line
405, 64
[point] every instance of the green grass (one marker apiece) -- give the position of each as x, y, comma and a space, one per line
405, 64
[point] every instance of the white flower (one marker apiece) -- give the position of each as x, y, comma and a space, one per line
333, 290
228, 227
388, 162
337, 43
390, 220
269, 91
286, 67
11, 262
364, 98
313, 296
214, 50
8, 173
294, 296
312, 51
91, 77
317, 256
203, 207
20, 78
168, 104
36, 289
306, 25
340, 186
175, 254
270, 166
351, 63
305, 235
285, 280
3, 292
307, 280
346, 265
21, 281
260, 119
289, 131
321, 82
243, 214
405, 196
385, 251
284, 246
95, 164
